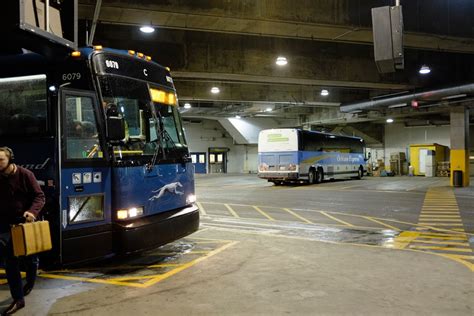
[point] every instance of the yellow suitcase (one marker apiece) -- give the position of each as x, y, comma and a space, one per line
31, 238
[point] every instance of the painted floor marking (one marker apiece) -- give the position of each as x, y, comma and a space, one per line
336, 219
231, 210
298, 216
201, 208
453, 244
142, 281
263, 213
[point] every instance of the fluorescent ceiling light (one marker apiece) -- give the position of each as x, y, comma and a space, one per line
454, 96
215, 90
281, 61
397, 105
187, 105
424, 70
23, 78
389, 120
237, 116
147, 29
324, 92
268, 109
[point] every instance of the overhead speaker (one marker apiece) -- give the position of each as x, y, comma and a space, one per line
387, 27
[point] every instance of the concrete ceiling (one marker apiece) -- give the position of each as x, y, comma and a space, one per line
328, 44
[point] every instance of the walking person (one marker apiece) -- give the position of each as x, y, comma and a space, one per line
21, 199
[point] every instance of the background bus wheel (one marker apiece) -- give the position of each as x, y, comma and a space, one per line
360, 173
278, 182
319, 176
312, 176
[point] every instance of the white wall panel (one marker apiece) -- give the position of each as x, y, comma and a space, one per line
398, 138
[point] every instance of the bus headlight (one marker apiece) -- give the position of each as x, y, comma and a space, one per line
129, 213
190, 199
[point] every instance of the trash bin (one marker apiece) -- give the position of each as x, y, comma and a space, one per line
457, 178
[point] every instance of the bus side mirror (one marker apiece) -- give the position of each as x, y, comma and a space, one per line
115, 130
368, 156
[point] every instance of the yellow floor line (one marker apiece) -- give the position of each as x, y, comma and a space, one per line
441, 248
232, 211
402, 240
439, 216
336, 219
437, 219
445, 237
188, 265
438, 224
201, 208
441, 242
165, 265
263, 213
297, 216
380, 223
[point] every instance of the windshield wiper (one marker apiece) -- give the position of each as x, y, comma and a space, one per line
159, 139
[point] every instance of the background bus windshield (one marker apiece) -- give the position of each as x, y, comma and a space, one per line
144, 135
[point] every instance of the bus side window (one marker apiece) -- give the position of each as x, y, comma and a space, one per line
81, 129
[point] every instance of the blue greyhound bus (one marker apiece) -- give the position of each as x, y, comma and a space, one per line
100, 128
286, 155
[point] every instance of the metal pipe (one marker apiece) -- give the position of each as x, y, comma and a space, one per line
46, 15
94, 22
420, 96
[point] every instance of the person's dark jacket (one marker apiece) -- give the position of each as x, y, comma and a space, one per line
19, 192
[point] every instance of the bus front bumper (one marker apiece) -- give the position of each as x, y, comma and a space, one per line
154, 231
281, 176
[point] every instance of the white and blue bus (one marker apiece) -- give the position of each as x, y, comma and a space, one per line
286, 155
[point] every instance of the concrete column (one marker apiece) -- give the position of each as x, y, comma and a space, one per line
460, 143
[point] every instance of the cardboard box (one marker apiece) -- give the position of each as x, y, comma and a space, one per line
31, 238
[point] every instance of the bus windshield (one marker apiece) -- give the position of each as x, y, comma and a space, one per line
151, 128
24, 107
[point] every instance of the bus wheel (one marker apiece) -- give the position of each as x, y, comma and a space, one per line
278, 182
360, 173
312, 176
319, 176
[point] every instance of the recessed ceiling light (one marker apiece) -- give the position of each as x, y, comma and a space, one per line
324, 92
187, 105
424, 70
281, 61
389, 120
147, 29
215, 90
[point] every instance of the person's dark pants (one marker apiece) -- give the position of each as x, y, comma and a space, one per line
12, 267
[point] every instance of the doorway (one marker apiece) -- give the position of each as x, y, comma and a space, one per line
218, 160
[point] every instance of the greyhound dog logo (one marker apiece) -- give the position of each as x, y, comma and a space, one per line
170, 187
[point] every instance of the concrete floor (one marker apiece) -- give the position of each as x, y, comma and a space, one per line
345, 247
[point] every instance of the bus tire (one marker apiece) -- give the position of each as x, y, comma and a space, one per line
360, 173
278, 182
312, 176
319, 176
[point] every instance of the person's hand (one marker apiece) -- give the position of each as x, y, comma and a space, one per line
29, 217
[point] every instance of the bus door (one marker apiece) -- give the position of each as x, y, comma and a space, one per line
199, 162
85, 180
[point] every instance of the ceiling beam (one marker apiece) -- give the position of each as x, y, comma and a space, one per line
249, 79
266, 27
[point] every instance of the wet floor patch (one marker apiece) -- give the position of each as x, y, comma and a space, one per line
147, 268
445, 242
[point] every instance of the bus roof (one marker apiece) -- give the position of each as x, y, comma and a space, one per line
315, 132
